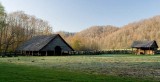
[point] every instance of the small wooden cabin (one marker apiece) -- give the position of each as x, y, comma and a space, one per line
45, 45
145, 47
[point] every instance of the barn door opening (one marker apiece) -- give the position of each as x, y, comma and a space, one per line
58, 50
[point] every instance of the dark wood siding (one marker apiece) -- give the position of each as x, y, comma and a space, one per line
57, 42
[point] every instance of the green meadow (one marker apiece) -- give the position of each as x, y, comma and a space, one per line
89, 68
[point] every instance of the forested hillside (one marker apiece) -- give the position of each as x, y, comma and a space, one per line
92, 38
148, 29
110, 37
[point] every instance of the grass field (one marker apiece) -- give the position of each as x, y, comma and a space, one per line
95, 68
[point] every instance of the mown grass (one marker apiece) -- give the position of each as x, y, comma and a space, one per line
22, 73
84, 68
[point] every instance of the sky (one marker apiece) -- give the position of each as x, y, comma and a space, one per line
77, 15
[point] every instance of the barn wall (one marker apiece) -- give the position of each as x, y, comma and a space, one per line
57, 42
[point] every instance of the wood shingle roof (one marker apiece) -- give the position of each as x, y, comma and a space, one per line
38, 42
144, 44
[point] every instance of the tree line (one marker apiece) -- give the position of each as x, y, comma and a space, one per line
17, 27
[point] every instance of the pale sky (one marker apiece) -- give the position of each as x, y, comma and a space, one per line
76, 15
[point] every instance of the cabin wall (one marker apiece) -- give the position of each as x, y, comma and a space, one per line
140, 51
57, 42
149, 52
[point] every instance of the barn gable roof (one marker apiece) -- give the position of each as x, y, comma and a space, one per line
39, 42
144, 44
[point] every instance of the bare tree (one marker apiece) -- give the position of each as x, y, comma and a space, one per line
19, 27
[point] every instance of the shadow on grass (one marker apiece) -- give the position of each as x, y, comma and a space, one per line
22, 73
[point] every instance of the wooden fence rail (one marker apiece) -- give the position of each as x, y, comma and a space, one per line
100, 52
96, 52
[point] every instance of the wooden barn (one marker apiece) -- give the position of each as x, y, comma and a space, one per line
145, 47
46, 45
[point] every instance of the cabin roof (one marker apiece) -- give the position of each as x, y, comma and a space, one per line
38, 42
144, 44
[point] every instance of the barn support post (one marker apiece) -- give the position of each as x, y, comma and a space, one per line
137, 51
21, 52
32, 53
144, 52
149, 50
38, 53
28, 53
132, 50
46, 53
25, 53
67, 52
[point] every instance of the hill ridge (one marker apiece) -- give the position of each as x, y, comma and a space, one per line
112, 37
